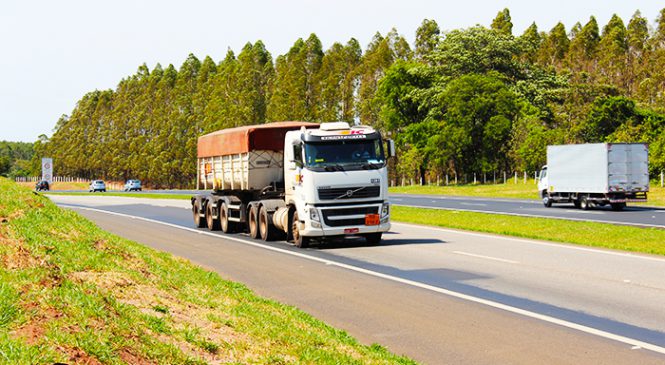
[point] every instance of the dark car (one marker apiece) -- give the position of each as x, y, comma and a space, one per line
42, 186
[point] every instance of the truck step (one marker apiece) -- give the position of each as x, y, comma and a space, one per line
234, 219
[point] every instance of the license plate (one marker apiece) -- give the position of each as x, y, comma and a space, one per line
351, 230
372, 219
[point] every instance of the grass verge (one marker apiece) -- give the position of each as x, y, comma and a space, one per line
72, 293
644, 240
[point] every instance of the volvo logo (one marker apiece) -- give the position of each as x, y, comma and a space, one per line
349, 193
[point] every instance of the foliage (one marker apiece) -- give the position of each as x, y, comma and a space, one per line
515, 96
15, 158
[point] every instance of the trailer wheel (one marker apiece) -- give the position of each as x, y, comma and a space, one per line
266, 230
227, 227
253, 222
584, 203
618, 206
198, 222
298, 240
213, 224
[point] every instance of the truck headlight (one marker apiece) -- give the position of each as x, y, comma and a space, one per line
385, 210
314, 215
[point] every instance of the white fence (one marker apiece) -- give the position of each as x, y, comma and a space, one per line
55, 179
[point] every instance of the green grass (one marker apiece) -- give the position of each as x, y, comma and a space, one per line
520, 190
72, 293
644, 240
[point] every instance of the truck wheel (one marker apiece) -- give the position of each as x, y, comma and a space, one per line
213, 224
298, 240
547, 201
227, 227
253, 223
266, 230
198, 222
373, 238
618, 206
584, 203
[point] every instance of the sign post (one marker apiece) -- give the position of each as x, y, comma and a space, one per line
47, 170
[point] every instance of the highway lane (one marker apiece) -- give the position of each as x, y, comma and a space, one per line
617, 293
631, 215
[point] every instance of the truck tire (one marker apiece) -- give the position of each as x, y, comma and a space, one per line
298, 240
198, 221
373, 238
547, 201
584, 203
211, 222
266, 230
253, 222
227, 227
618, 206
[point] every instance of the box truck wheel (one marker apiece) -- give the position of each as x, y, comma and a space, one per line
298, 240
213, 224
198, 221
227, 227
547, 201
266, 230
584, 203
252, 222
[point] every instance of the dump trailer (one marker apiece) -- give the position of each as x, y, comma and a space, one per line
296, 181
595, 174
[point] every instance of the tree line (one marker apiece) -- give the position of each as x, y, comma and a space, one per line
15, 158
470, 100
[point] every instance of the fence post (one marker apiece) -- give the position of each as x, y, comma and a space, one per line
455, 177
661, 179
494, 177
524, 177
474, 178
504, 178
446, 179
515, 177
535, 177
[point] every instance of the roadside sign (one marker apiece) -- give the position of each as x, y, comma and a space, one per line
47, 169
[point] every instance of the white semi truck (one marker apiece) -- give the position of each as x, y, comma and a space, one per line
595, 174
294, 180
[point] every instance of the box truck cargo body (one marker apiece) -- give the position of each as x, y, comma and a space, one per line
294, 180
595, 174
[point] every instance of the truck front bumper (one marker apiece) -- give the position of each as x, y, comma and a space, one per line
345, 220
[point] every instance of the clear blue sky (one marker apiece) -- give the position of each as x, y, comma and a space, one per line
53, 52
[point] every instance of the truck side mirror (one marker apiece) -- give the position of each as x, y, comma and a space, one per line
293, 164
391, 148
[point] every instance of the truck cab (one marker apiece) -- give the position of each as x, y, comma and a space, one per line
336, 178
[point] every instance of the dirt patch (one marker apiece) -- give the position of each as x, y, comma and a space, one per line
130, 358
78, 356
33, 332
104, 280
19, 257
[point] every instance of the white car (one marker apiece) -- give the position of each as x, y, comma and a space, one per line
97, 185
133, 185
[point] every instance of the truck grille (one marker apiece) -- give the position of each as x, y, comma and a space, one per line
351, 192
334, 217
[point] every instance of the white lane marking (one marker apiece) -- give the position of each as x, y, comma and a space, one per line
534, 315
486, 257
536, 216
577, 211
569, 246
397, 200
474, 204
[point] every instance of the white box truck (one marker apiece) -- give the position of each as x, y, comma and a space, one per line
595, 174
294, 180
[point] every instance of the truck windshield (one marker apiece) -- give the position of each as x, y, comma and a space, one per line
344, 155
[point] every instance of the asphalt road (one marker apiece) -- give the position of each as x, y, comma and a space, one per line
436, 295
631, 215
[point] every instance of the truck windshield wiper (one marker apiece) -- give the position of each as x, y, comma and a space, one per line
334, 167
